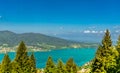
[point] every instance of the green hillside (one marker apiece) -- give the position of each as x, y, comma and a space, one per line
38, 40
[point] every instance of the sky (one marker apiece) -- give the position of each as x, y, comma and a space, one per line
58, 17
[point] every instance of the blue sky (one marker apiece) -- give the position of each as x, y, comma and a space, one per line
59, 16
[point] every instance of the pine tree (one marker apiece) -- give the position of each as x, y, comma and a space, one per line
50, 66
74, 68
105, 60
21, 62
107, 42
32, 64
71, 66
118, 45
118, 59
0, 67
60, 67
98, 64
6, 65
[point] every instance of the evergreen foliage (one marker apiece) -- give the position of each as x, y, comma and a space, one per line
60, 67
50, 66
32, 63
6, 65
118, 45
107, 42
23, 63
21, 59
105, 60
118, 59
71, 66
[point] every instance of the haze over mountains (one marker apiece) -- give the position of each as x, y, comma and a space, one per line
89, 36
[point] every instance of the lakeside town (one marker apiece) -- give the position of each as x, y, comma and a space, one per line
4, 48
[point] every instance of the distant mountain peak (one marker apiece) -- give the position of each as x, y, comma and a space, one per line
7, 31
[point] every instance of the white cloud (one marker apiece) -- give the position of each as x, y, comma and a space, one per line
86, 31
92, 31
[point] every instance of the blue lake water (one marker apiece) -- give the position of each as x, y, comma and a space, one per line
80, 56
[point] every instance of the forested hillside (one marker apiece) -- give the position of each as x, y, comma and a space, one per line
38, 40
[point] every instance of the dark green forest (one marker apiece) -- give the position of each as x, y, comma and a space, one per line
107, 60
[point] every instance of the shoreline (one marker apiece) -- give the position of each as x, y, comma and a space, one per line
47, 50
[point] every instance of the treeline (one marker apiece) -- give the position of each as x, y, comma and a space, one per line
70, 66
27, 64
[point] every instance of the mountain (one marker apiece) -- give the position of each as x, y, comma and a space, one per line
37, 40
90, 35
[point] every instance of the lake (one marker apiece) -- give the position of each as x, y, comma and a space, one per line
80, 56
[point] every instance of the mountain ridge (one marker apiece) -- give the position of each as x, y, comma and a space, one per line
35, 39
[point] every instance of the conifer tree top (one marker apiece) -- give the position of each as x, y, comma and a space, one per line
50, 62
22, 44
22, 47
107, 39
60, 63
21, 52
32, 55
6, 59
